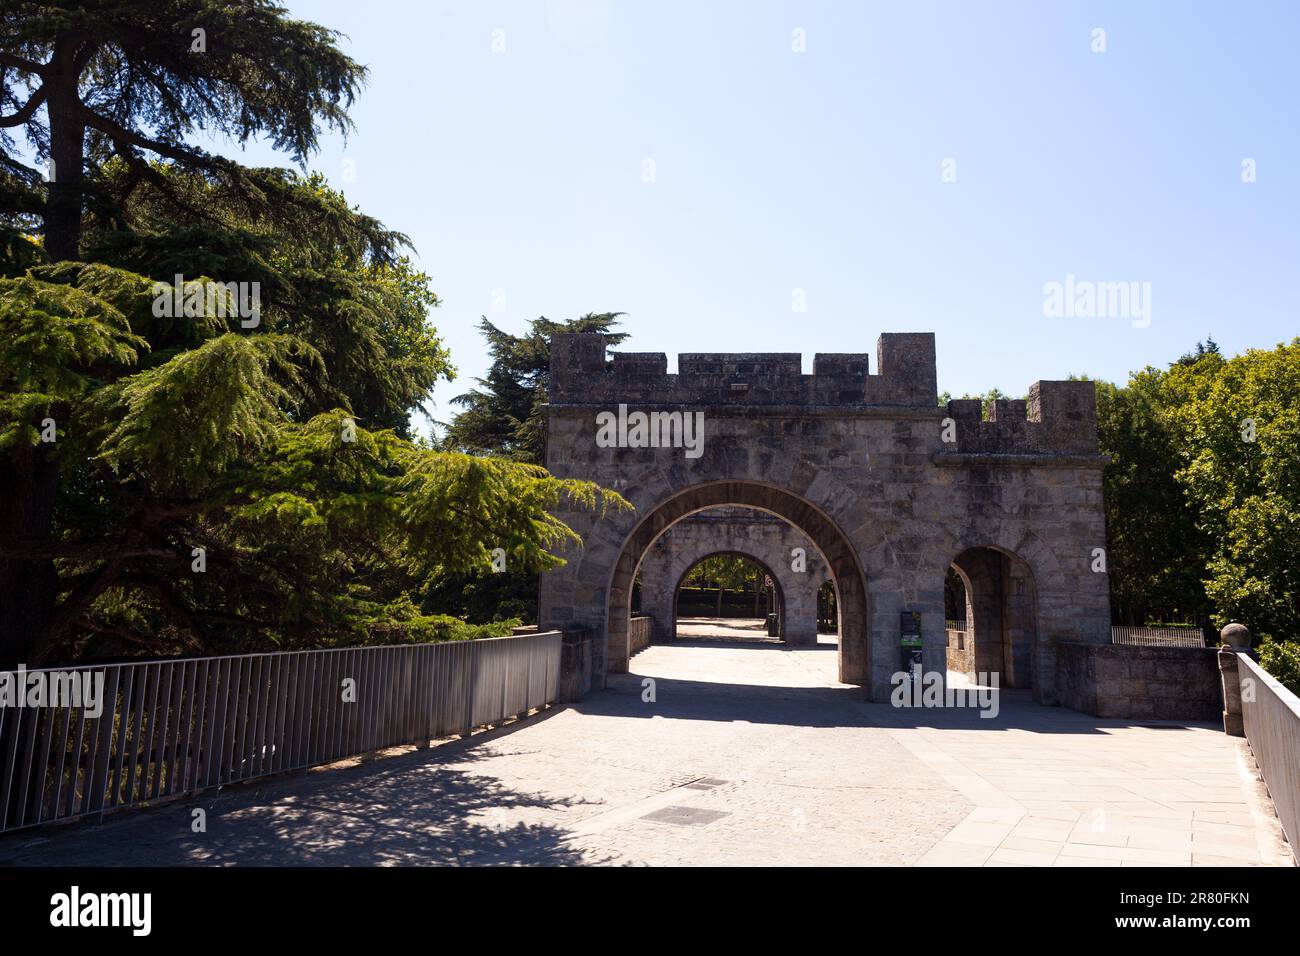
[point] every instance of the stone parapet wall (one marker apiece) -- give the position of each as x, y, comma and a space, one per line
639, 631
1156, 683
1057, 418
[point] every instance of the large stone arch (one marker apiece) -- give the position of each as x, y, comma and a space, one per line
832, 545
750, 534
890, 485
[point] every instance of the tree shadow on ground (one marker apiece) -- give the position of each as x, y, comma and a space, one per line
413, 808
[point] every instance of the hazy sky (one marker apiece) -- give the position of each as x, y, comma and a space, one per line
686, 164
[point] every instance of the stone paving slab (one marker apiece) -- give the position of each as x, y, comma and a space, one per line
748, 754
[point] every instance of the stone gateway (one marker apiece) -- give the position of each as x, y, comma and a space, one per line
890, 489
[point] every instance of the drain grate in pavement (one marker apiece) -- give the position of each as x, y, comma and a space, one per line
705, 783
686, 816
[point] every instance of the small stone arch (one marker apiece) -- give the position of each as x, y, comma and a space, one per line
788, 556
1001, 614
679, 576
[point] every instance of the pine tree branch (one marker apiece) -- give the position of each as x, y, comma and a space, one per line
120, 134
24, 114
23, 64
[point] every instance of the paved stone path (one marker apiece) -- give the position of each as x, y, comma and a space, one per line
731, 628
749, 754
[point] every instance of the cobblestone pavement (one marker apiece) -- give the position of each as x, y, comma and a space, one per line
749, 754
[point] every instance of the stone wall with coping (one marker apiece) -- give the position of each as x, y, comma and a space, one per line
640, 629
1151, 683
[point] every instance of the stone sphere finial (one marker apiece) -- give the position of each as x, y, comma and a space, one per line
1236, 635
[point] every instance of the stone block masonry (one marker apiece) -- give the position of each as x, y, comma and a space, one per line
889, 486
1152, 683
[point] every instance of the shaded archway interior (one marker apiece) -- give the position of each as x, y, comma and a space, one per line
999, 630
830, 541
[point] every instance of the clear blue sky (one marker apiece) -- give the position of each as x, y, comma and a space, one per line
523, 171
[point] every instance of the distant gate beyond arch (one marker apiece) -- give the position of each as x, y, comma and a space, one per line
756, 535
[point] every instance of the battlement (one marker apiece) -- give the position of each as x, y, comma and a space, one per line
581, 374
1057, 418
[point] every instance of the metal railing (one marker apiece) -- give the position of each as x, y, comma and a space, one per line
169, 727
1271, 715
1157, 636
954, 625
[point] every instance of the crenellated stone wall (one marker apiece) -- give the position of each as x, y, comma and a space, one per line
861, 464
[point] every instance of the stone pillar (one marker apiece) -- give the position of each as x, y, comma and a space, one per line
658, 592
1236, 639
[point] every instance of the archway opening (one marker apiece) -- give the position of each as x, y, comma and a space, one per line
727, 596
828, 615
991, 618
830, 544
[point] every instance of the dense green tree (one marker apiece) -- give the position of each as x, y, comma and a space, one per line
1237, 424
1203, 489
1156, 551
503, 416
185, 475
136, 78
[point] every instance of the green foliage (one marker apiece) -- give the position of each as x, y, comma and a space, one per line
122, 77
1282, 661
56, 342
181, 425
1156, 551
1238, 422
503, 416
220, 485
730, 572
1203, 490
726, 585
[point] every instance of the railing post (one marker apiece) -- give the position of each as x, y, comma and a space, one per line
1236, 639
472, 670
528, 683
